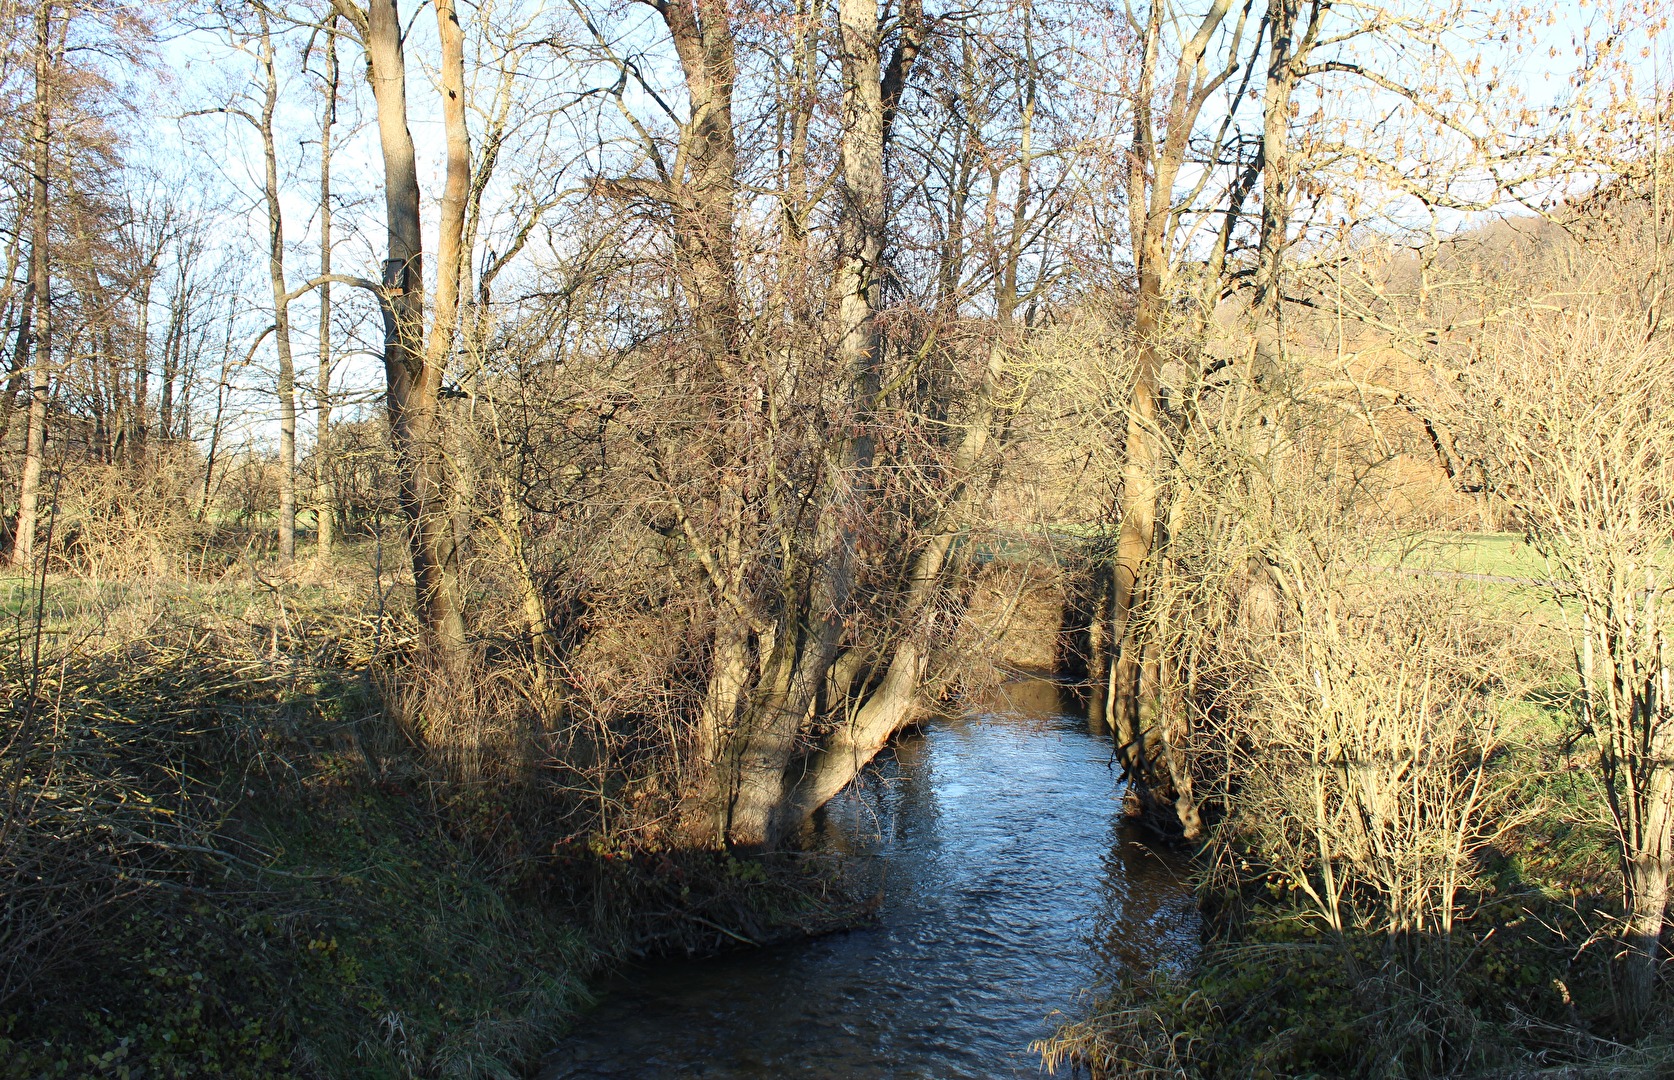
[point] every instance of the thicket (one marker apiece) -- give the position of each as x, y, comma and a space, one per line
1433, 800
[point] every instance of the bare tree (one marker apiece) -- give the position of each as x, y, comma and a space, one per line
414, 361
40, 287
1156, 224
281, 297
326, 500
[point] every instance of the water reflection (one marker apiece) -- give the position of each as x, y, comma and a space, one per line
1008, 884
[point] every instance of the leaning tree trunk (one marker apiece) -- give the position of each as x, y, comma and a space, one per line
892, 703
767, 803
807, 648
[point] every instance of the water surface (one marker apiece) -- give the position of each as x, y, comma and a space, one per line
1009, 885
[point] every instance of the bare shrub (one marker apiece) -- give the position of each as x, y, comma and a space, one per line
105, 753
478, 723
1371, 731
115, 522
1572, 413
249, 489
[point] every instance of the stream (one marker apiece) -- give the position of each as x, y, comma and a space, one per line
1009, 886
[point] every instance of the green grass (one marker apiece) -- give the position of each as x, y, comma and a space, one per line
370, 946
305, 916
1500, 569
1492, 554
420, 956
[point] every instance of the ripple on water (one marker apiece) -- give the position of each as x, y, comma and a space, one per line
1009, 884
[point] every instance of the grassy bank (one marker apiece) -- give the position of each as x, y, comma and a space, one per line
234, 846
1519, 985
223, 862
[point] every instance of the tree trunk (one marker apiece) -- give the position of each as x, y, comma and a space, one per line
797, 202
807, 648
172, 351
766, 803
1648, 863
40, 272
20, 354
890, 706
1649, 891
142, 369
412, 366
744, 770
325, 512
281, 305
1154, 168
11, 310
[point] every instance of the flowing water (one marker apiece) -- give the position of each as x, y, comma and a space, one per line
1009, 885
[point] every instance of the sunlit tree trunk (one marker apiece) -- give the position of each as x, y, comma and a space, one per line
1154, 168
1649, 863
325, 512
1267, 304
413, 366
40, 272
281, 300
891, 705
1128, 675
805, 653
142, 367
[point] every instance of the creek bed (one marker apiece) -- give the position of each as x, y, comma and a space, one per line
1009, 885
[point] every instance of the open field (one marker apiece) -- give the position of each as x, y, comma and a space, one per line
1502, 555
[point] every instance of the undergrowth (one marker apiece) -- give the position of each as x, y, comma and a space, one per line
1522, 987
229, 851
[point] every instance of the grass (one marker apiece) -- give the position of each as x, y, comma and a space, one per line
206, 878
232, 856
1488, 554
369, 961
422, 958
1503, 571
